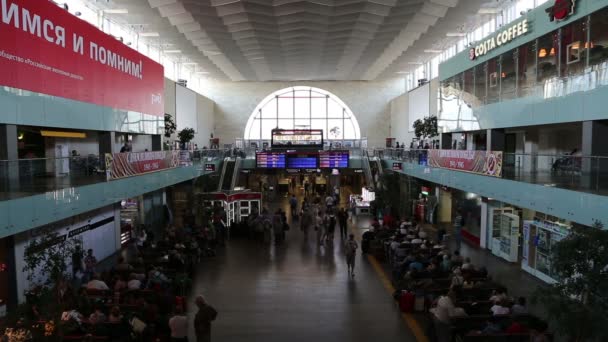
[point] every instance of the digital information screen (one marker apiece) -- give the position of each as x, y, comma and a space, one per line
333, 159
297, 137
270, 160
302, 161
210, 167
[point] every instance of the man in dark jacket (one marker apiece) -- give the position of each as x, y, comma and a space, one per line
202, 321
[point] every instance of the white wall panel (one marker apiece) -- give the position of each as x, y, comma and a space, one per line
419, 104
185, 108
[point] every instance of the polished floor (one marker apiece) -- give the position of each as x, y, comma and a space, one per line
296, 292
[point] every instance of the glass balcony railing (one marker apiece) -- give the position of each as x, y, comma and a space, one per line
27, 177
579, 173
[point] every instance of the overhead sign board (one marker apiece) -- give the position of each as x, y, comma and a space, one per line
501, 38
46, 49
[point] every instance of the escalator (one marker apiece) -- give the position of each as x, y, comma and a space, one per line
229, 174
369, 178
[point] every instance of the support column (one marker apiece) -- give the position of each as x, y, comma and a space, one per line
495, 140
595, 143
9, 151
528, 162
446, 141
106, 143
157, 142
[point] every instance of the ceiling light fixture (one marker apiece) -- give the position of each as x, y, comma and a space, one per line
202, 72
149, 34
172, 51
415, 63
488, 10
189, 63
403, 72
211, 53
455, 34
433, 51
116, 11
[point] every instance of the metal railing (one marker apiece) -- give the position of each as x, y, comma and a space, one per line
574, 172
27, 177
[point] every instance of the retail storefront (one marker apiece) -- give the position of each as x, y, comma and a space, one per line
469, 205
539, 238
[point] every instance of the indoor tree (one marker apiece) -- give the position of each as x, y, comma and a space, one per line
185, 136
578, 303
426, 127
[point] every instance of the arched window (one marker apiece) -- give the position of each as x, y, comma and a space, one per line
303, 108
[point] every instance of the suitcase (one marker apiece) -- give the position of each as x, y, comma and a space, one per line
407, 301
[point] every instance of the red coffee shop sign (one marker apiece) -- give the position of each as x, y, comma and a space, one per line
561, 9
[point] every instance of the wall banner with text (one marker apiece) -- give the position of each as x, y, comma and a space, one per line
481, 162
120, 165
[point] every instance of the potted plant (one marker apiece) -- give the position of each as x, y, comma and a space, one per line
426, 128
185, 136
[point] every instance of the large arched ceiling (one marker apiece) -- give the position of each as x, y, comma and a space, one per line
261, 40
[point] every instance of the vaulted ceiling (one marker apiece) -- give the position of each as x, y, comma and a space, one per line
262, 40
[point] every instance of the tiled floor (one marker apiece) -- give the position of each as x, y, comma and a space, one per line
296, 292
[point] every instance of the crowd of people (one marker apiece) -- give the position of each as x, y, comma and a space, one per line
141, 297
450, 287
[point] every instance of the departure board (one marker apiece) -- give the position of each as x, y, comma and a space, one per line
333, 159
302, 160
270, 160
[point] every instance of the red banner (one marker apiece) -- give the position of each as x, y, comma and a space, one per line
119, 165
48, 50
482, 162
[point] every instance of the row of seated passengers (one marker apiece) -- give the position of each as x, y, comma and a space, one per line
144, 289
421, 264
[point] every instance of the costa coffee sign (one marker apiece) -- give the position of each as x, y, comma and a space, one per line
503, 37
46, 49
561, 10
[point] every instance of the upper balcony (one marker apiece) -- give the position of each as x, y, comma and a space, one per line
575, 187
34, 192
557, 73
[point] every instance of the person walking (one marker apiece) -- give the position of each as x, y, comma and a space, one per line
330, 228
319, 227
342, 222
293, 204
350, 249
202, 321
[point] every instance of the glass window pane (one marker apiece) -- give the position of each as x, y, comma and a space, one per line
547, 56
526, 77
254, 131
349, 130
318, 107
286, 123
302, 107
598, 55
493, 80
507, 75
480, 84
270, 109
335, 129
267, 127
334, 110
320, 124
574, 48
285, 107
302, 123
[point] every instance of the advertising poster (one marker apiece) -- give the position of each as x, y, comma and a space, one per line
46, 49
481, 162
120, 165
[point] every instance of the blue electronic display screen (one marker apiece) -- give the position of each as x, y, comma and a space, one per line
302, 161
270, 160
333, 159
